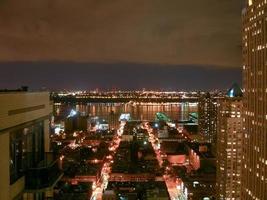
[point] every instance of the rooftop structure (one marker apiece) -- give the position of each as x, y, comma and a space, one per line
235, 91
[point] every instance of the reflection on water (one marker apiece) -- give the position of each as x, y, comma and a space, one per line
138, 111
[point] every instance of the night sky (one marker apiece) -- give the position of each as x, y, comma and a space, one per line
127, 44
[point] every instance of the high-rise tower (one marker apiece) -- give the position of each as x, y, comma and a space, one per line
229, 145
207, 117
254, 159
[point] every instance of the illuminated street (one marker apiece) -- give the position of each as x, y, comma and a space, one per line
169, 180
105, 172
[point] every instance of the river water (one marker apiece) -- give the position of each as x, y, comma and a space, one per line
138, 111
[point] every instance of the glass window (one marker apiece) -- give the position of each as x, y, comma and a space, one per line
26, 149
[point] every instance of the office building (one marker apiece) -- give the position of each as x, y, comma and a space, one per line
229, 145
254, 42
207, 113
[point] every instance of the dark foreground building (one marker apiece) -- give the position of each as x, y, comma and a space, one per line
27, 169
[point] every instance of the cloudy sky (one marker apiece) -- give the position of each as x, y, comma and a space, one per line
134, 33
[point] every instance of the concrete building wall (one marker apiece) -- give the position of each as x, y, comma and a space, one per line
22, 107
17, 109
4, 166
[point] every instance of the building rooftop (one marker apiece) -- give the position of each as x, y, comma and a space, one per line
70, 191
135, 158
203, 150
174, 148
235, 91
139, 190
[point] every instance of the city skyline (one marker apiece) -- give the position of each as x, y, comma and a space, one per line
133, 100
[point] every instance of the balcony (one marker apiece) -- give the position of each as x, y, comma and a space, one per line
44, 175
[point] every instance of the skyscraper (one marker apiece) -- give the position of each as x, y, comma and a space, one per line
229, 145
207, 117
254, 159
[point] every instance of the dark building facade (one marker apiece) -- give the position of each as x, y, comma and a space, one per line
207, 113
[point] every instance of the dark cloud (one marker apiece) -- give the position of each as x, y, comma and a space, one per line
140, 31
71, 75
